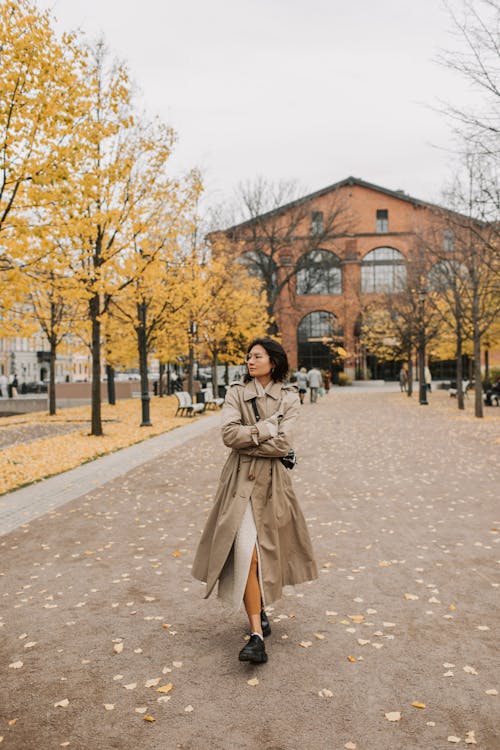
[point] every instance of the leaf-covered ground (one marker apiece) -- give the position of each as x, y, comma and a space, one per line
106, 641
34, 446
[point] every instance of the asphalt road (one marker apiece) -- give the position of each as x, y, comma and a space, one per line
99, 610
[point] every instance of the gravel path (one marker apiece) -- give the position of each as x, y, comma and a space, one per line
99, 608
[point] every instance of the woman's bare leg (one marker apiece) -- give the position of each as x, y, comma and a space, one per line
252, 598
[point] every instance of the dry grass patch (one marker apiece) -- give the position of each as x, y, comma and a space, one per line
29, 462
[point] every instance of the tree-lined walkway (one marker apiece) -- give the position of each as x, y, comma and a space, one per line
100, 614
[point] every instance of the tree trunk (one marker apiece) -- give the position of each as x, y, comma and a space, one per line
421, 371
215, 376
191, 370
143, 363
96, 420
52, 376
478, 386
460, 375
161, 375
410, 375
486, 367
110, 372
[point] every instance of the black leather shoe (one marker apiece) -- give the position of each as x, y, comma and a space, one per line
254, 651
266, 625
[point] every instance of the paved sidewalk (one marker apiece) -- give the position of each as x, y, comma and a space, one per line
99, 609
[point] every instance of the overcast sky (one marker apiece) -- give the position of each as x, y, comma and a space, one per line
314, 90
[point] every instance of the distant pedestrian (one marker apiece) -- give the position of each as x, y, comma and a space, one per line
3, 386
327, 380
14, 386
301, 380
314, 381
428, 378
256, 540
403, 379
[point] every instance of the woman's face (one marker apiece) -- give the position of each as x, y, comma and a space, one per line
258, 362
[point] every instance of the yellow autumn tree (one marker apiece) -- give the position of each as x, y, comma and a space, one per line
152, 283
39, 103
120, 158
236, 311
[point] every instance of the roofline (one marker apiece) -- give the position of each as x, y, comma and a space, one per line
348, 181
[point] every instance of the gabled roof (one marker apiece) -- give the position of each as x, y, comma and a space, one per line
399, 194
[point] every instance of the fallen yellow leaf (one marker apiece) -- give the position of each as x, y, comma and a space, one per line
416, 704
149, 718
165, 688
254, 681
351, 658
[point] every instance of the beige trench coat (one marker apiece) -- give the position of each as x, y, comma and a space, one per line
253, 473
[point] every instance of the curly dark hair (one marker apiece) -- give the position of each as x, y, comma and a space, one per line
277, 355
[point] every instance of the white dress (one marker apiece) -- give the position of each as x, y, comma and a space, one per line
234, 575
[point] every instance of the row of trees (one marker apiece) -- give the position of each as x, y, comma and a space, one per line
98, 242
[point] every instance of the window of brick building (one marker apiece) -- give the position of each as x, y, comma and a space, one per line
382, 220
261, 265
383, 270
317, 222
448, 240
319, 273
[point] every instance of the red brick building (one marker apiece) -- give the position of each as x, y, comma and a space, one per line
352, 241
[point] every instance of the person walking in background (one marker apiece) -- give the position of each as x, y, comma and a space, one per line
301, 381
403, 379
255, 540
314, 381
3, 386
327, 380
428, 378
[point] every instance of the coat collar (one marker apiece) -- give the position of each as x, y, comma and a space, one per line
250, 391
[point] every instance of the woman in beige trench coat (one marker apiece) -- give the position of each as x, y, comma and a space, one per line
255, 540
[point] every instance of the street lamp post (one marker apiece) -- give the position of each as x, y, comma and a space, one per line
192, 334
421, 350
143, 365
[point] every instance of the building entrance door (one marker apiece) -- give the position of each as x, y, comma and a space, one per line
318, 335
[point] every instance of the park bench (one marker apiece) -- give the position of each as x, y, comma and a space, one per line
210, 400
185, 407
492, 396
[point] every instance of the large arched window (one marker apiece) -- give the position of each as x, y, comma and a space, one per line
383, 270
316, 333
447, 274
261, 265
319, 273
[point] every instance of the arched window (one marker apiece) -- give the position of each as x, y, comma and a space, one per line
319, 273
383, 270
261, 265
447, 274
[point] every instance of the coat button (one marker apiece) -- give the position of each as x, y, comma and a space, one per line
251, 477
